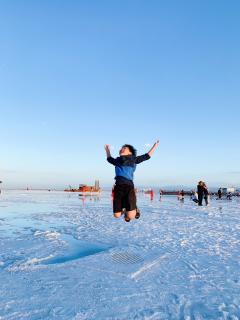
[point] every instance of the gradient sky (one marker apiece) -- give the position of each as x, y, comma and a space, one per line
75, 75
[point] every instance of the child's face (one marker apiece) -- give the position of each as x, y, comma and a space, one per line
124, 151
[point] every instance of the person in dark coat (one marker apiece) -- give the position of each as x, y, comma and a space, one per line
219, 193
200, 191
206, 193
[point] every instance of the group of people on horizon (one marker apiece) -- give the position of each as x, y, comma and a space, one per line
229, 194
197, 196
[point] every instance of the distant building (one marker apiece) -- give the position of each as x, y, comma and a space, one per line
97, 185
226, 190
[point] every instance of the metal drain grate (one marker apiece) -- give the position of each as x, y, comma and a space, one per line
126, 257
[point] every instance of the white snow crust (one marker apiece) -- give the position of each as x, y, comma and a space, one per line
65, 257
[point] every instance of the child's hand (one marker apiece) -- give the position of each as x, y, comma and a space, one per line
150, 152
107, 147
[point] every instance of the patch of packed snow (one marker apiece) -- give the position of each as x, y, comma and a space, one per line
66, 257
51, 235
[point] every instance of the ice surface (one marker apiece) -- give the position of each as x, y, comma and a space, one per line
65, 257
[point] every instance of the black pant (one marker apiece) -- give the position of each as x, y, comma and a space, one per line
200, 199
206, 200
124, 197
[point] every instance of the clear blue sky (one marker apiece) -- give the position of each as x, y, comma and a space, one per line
75, 75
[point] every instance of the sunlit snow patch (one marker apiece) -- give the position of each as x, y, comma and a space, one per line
131, 261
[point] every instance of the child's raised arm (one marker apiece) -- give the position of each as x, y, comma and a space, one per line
107, 148
110, 159
151, 151
147, 156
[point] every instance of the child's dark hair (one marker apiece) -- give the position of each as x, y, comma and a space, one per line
131, 148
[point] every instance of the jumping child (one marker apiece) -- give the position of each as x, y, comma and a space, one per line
125, 165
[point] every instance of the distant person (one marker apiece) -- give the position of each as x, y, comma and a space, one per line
219, 193
179, 195
151, 194
112, 192
124, 192
194, 197
200, 192
191, 195
229, 196
160, 194
182, 194
206, 193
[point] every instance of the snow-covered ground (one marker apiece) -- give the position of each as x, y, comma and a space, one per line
63, 257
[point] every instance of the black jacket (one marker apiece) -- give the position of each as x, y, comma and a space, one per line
125, 166
200, 191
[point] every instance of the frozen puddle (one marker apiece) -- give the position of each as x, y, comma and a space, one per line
133, 259
76, 249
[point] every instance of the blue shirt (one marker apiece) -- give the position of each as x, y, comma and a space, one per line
125, 167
